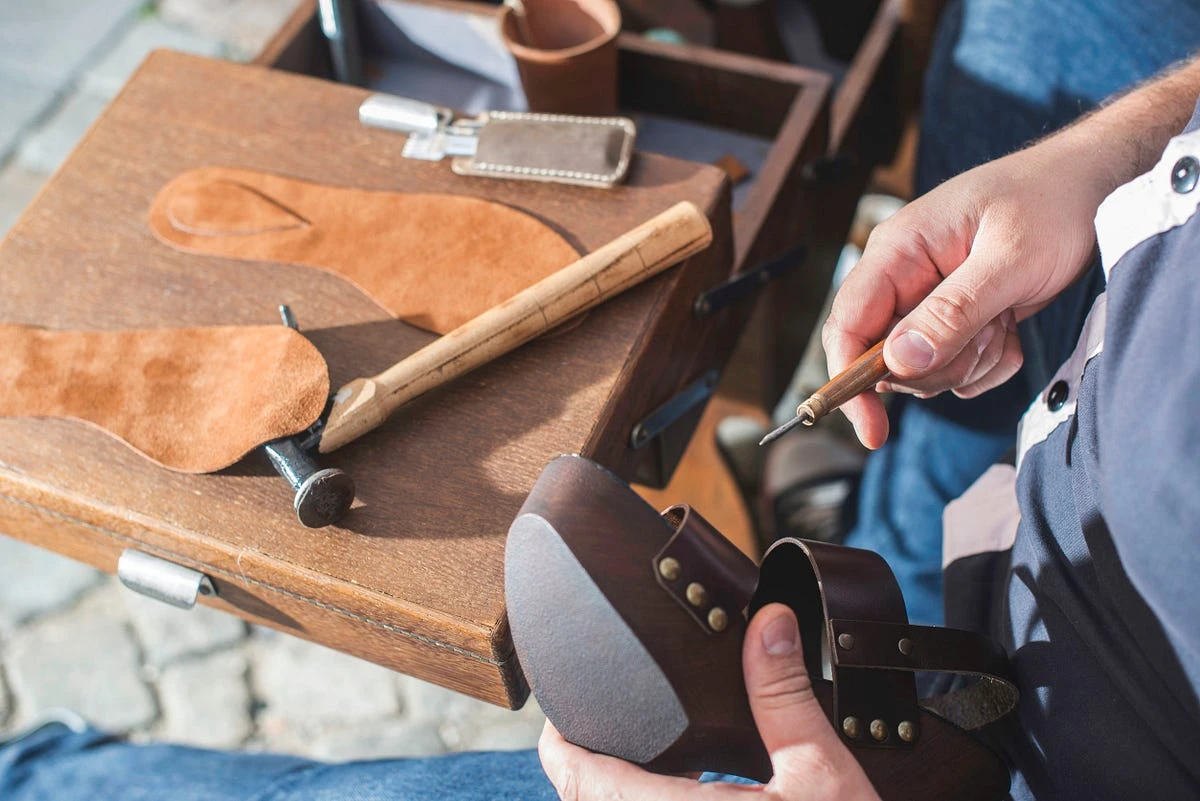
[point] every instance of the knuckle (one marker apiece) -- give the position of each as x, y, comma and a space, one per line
829, 331
786, 688
822, 767
952, 309
962, 374
568, 785
813, 770
887, 233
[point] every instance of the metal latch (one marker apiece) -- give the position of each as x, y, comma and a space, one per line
658, 420
746, 282
433, 133
162, 580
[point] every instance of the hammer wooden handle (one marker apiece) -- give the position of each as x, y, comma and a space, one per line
631, 258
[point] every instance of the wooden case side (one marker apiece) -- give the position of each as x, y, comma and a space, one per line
325, 618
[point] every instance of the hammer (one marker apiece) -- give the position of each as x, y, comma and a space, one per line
323, 496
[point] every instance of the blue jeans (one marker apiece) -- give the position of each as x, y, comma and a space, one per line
1003, 73
55, 763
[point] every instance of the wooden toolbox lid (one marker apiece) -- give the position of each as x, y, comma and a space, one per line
414, 580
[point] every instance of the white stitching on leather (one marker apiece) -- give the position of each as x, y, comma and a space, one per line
543, 172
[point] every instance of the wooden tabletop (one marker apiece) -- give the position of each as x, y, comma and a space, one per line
414, 578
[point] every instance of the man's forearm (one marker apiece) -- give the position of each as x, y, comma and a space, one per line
1127, 135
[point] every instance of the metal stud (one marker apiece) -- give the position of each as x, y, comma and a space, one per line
879, 730
669, 568
907, 731
846, 641
1184, 174
717, 619
850, 727
696, 594
906, 647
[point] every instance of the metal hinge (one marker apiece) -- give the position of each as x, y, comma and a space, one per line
829, 168
658, 420
162, 580
747, 282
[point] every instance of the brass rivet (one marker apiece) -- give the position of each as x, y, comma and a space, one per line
669, 568
850, 727
907, 731
905, 645
696, 594
717, 619
879, 730
846, 641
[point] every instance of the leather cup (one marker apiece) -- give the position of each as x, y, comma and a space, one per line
566, 52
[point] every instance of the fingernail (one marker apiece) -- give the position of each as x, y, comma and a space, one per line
913, 350
781, 637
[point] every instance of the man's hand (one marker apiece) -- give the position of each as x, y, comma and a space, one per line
810, 762
952, 273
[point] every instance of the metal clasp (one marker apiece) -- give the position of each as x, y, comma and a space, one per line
433, 133
162, 580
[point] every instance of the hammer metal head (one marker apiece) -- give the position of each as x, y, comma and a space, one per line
324, 498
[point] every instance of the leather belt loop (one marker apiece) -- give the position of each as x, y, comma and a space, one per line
851, 608
873, 707
703, 571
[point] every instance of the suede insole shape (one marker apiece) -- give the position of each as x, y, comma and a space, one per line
191, 399
435, 261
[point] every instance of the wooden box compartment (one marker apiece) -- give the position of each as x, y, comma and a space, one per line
821, 141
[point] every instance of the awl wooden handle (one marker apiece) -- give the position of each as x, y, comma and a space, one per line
863, 373
631, 258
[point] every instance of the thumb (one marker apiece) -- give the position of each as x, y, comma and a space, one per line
807, 756
948, 318
781, 695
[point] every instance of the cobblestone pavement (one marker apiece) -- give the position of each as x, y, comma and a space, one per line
71, 636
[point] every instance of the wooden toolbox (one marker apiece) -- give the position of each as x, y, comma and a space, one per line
822, 140
413, 579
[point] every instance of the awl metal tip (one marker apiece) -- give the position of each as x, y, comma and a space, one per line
800, 419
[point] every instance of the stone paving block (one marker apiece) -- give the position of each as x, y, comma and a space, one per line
34, 582
48, 145
300, 684
85, 660
246, 25
206, 702
51, 39
519, 733
168, 634
18, 187
465, 723
22, 103
106, 78
383, 739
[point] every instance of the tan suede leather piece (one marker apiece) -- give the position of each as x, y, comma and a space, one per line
191, 399
435, 261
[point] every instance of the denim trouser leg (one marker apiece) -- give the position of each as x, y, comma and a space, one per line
56, 764
1003, 73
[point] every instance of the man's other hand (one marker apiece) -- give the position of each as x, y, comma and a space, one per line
951, 274
810, 762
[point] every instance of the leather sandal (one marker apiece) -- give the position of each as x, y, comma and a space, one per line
629, 626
